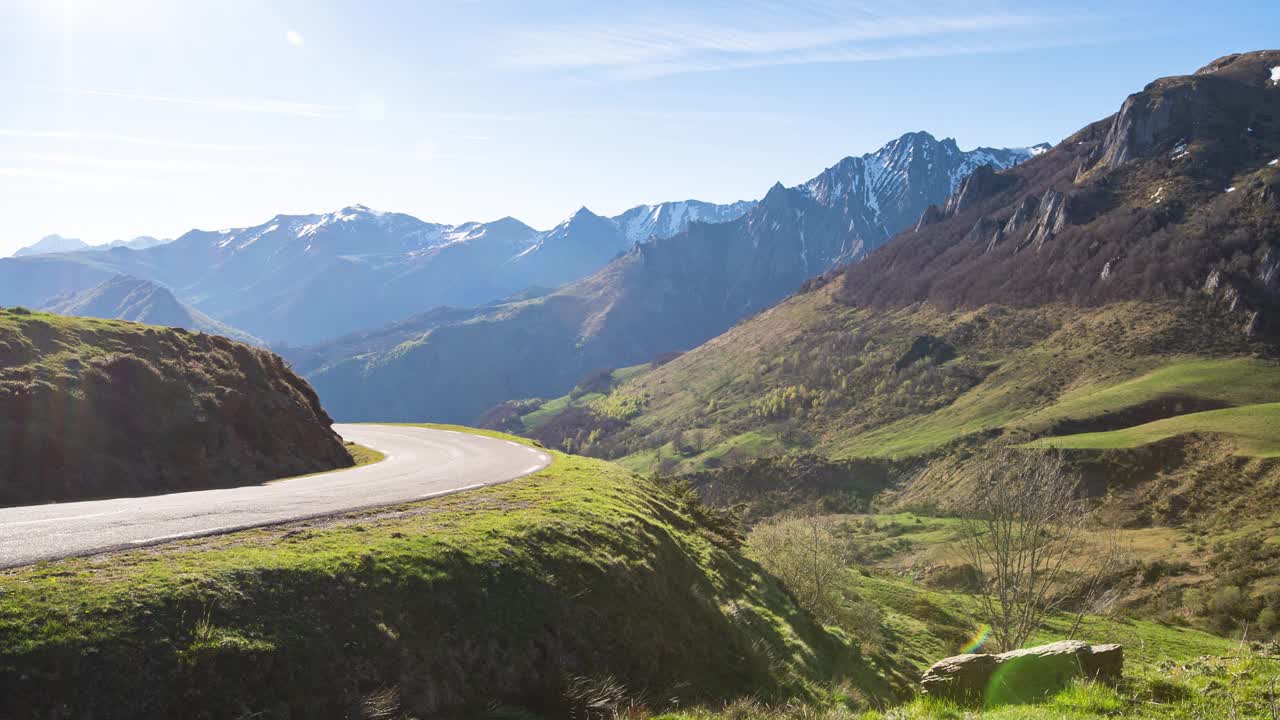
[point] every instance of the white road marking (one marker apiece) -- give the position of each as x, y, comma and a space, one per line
450, 490
175, 536
423, 459
63, 519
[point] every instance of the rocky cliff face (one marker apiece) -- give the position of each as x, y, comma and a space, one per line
1175, 195
99, 408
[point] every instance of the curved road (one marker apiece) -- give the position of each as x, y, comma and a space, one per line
420, 463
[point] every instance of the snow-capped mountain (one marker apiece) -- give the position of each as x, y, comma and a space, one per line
878, 194
666, 294
643, 222
302, 278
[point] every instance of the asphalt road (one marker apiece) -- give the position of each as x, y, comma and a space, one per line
420, 463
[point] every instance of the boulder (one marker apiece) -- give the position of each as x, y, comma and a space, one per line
1022, 675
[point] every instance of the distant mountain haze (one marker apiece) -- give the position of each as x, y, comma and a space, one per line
303, 278
128, 298
57, 244
669, 294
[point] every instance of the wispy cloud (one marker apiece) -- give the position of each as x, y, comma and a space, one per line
115, 164
265, 106
77, 136
764, 34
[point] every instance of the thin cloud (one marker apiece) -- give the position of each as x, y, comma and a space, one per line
266, 106
172, 168
99, 138
138, 140
294, 38
766, 35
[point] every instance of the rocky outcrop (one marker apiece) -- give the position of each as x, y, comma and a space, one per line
1022, 675
1024, 213
983, 183
931, 215
1184, 109
95, 409
985, 229
1051, 220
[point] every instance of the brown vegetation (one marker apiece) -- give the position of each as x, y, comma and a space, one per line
96, 408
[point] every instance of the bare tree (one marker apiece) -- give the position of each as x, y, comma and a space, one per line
1023, 525
808, 555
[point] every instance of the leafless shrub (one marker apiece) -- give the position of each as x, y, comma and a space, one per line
808, 556
1022, 527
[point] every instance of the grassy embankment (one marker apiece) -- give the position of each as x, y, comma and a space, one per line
362, 455
218, 412
1171, 671
505, 596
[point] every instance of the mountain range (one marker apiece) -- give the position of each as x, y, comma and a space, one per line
1115, 299
302, 278
51, 244
1116, 296
665, 295
123, 297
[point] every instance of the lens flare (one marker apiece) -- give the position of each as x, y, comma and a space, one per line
979, 639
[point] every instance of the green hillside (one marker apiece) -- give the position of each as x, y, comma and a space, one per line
95, 408
492, 598
811, 374
1253, 430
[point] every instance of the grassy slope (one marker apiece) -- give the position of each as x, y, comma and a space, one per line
1138, 372
1254, 431
1170, 671
1016, 370
362, 455
493, 595
219, 413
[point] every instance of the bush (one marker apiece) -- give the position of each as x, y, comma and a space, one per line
809, 556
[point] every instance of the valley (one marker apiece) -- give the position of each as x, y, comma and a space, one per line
934, 434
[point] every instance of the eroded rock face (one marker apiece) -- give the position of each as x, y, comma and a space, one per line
1022, 675
1183, 109
1052, 218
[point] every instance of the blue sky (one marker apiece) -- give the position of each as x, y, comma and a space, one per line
130, 117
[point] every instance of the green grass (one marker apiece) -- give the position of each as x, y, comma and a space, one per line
580, 569
364, 455
1015, 370
1234, 381
1170, 672
551, 408
71, 426
1253, 430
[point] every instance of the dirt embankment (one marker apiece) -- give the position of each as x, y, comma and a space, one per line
100, 408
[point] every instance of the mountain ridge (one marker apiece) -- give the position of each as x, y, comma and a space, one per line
298, 278
664, 295
124, 297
